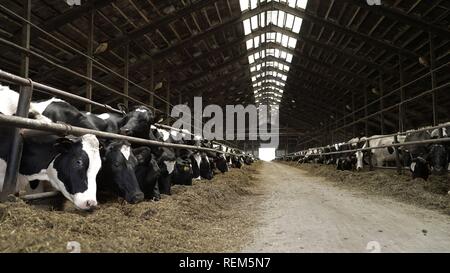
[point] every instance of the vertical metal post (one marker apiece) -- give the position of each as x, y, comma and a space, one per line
401, 110
286, 146
180, 98
90, 52
370, 155
397, 156
345, 120
433, 79
152, 85
353, 114
381, 87
15, 151
366, 110
126, 73
168, 98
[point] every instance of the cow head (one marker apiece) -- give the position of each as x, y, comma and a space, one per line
75, 168
438, 158
221, 163
147, 172
118, 168
182, 173
137, 122
420, 168
205, 167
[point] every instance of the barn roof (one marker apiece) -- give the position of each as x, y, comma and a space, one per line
315, 59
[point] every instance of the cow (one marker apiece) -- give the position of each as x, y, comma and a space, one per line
9, 101
425, 159
70, 164
137, 122
346, 161
201, 168
380, 157
147, 172
106, 122
117, 173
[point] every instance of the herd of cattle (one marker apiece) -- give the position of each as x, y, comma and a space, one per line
78, 167
421, 159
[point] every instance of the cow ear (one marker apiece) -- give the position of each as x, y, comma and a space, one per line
122, 107
63, 144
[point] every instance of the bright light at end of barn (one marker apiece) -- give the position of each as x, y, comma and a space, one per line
267, 154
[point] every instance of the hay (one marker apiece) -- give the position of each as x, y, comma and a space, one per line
210, 216
431, 194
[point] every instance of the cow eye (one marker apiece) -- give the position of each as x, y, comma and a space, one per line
79, 163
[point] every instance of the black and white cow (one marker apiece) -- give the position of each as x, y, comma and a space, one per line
106, 122
117, 173
147, 172
380, 157
137, 122
70, 164
425, 159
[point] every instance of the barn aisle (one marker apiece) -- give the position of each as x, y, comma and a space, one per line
308, 214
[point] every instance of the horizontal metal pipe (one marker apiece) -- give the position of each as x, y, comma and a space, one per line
66, 129
409, 143
36, 196
96, 62
51, 90
58, 92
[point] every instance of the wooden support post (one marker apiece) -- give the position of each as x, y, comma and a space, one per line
90, 53
433, 79
126, 73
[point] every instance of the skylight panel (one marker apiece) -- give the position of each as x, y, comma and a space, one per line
292, 3
244, 4
254, 21
256, 41
268, 84
251, 59
302, 3
249, 44
289, 21
280, 21
289, 57
292, 42
262, 19
297, 24
284, 40
247, 28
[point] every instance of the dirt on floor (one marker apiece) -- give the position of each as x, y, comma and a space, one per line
210, 216
431, 194
303, 212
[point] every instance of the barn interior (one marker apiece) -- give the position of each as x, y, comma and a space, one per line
345, 66
333, 69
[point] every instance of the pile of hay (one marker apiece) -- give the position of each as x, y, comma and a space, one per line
210, 216
431, 194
